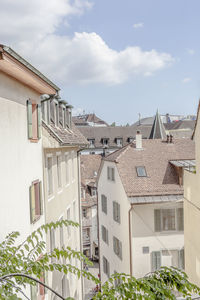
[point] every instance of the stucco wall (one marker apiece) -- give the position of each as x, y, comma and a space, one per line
144, 235
20, 160
192, 216
56, 206
114, 191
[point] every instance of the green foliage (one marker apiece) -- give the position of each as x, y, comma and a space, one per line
31, 258
162, 284
113, 124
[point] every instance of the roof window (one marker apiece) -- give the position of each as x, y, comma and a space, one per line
141, 171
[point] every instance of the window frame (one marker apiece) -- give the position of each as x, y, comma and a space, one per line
143, 168
36, 201
50, 185
158, 220
104, 200
116, 212
104, 234
117, 247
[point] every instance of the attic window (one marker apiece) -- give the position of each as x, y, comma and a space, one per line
141, 171
105, 141
119, 142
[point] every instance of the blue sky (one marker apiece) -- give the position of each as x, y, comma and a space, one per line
99, 69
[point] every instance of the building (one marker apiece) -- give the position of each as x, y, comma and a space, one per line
89, 169
140, 190
21, 194
89, 120
192, 213
62, 143
109, 139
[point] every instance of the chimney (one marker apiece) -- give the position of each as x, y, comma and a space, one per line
171, 138
138, 140
167, 138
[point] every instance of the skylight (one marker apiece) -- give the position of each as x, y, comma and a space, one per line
141, 171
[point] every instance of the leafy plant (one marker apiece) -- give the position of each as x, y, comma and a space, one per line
165, 283
30, 258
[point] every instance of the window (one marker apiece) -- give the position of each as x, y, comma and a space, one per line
141, 171
104, 233
35, 191
34, 120
117, 247
111, 173
67, 168
106, 267
116, 211
84, 212
91, 141
155, 260
104, 203
145, 250
105, 141
68, 227
168, 219
93, 192
49, 175
61, 121
52, 111
58, 160
64, 117
130, 139
119, 142
61, 234
52, 242
56, 114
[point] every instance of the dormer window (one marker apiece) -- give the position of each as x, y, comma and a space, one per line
105, 141
119, 142
130, 139
92, 143
52, 111
141, 171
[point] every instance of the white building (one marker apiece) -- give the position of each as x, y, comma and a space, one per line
140, 206
21, 171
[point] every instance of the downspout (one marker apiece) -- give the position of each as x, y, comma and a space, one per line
98, 237
130, 240
79, 206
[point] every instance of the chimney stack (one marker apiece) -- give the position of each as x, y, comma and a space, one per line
138, 140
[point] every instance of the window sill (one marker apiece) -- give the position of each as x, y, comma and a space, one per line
34, 140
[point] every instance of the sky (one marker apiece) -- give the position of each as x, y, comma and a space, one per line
116, 58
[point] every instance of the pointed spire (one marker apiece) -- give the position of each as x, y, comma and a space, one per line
157, 130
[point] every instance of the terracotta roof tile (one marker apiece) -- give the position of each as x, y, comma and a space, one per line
162, 178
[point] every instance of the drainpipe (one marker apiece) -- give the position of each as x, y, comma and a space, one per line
79, 206
130, 239
98, 237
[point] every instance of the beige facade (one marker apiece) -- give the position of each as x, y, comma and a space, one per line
192, 214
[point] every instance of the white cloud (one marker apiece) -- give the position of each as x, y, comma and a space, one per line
186, 80
33, 31
138, 25
190, 51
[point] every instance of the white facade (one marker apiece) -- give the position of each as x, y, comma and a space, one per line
140, 238
20, 159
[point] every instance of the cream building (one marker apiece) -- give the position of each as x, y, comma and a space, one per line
140, 204
192, 213
21, 171
61, 145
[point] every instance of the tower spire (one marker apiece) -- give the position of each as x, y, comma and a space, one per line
157, 130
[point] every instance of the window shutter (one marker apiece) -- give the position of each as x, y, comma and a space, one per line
113, 174
180, 221
181, 259
118, 212
32, 203
155, 260
52, 112
157, 220
120, 250
39, 121
41, 202
60, 115
108, 269
108, 173
29, 119
114, 211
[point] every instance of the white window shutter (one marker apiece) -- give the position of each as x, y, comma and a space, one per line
29, 119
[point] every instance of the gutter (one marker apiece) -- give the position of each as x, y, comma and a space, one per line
130, 240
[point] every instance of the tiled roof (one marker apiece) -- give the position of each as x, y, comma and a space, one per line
85, 119
162, 178
112, 133
189, 124
66, 136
